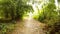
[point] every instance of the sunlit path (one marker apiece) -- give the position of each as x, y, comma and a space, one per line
29, 26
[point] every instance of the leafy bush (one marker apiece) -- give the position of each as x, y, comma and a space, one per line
6, 27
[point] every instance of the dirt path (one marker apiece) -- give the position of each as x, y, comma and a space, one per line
29, 27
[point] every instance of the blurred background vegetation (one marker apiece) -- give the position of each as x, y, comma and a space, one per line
14, 10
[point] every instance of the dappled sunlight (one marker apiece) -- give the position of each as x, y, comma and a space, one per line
28, 23
37, 5
29, 16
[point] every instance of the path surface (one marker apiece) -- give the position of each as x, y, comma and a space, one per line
29, 26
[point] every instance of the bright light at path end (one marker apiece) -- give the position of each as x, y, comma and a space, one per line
30, 15
56, 3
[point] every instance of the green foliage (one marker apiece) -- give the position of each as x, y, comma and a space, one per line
6, 27
16, 9
48, 14
50, 17
13, 9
